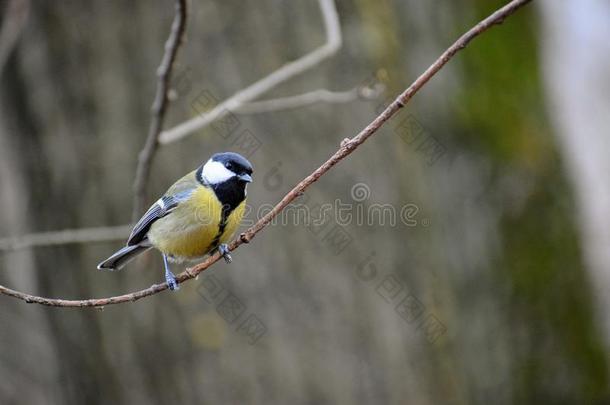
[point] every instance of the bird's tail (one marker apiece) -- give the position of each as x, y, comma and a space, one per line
121, 257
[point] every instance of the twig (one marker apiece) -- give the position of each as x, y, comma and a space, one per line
309, 98
85, 235
288, 71
347, 147
159, 107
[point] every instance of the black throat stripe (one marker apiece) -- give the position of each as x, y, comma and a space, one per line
224, 217
230, 193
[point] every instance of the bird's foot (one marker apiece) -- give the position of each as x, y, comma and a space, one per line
223, 249
170, 279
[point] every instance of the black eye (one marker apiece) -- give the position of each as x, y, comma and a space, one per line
229, 166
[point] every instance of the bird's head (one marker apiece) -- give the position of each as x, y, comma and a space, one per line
226, 166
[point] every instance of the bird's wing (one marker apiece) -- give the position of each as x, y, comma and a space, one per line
161, 208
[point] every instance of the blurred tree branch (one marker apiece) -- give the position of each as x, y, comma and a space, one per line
347, 147
159, 107
288, 71
66, 236
309, 98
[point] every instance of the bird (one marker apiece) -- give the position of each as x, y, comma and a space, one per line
196, 216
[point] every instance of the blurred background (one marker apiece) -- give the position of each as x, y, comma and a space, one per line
491, 284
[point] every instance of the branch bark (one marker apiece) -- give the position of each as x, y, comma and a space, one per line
159, 107
347, 147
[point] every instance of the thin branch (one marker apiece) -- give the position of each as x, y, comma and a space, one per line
310, 98
347, 147
288, 71
85, 235
159, 107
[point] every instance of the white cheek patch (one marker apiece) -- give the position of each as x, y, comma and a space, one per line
216, 172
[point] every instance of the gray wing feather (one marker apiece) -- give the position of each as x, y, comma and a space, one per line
161, 208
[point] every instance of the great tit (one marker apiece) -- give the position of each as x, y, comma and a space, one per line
196, 216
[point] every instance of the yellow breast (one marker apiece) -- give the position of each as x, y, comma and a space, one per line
193, 228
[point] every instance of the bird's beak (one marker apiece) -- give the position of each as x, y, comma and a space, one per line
245, 178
